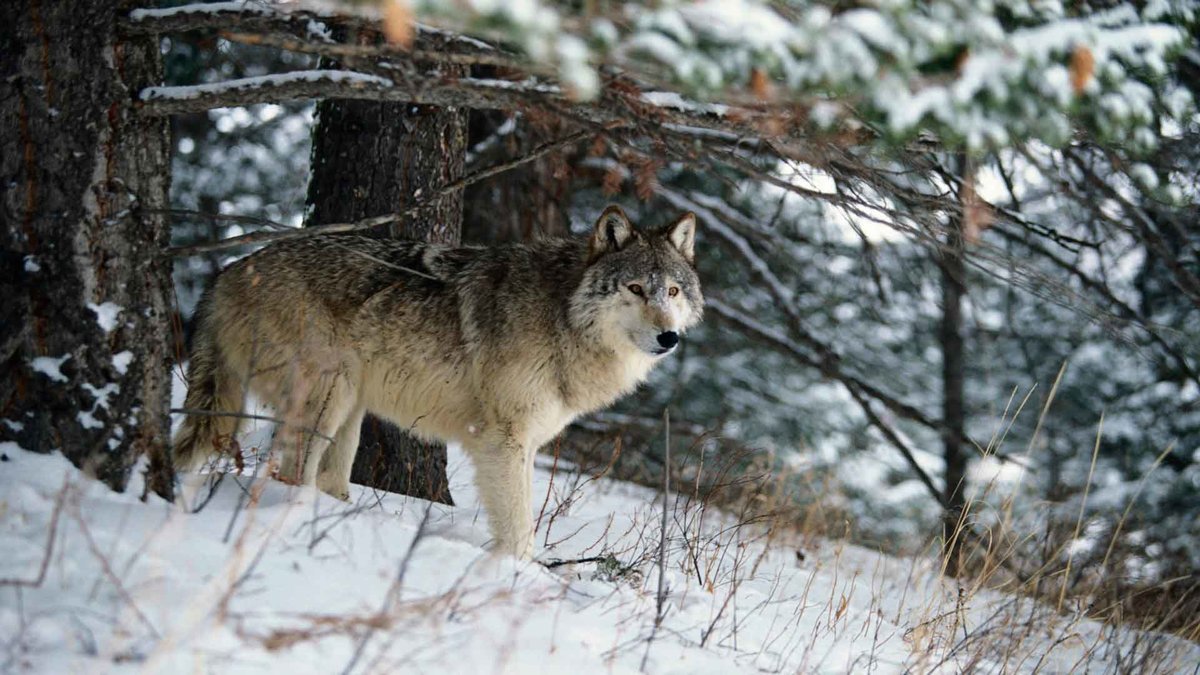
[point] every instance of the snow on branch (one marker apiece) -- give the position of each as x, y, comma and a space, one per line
307, 84
675, 116
981, 74
222, 16
232, 88
198, 9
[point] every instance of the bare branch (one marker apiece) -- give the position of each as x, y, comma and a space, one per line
827, 360
755, 329
255, 238
1185, 280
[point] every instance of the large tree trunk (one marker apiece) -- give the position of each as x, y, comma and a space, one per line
953, 275
522, 204
83, 287
371, 159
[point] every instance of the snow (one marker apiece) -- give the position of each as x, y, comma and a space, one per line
87, 420
121, 361
106, 314
50, 367
582, 79
243, 6
268, 577
738, 22
670, 99
530, 85
101, 394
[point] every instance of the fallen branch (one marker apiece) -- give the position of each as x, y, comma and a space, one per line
551, 564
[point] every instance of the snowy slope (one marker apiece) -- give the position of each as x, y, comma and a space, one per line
272, 578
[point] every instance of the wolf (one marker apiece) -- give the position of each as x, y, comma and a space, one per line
496, 349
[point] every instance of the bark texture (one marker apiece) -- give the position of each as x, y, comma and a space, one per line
83, 289
523, 204
953, 276
371, 159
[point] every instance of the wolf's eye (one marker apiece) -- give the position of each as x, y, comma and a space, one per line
674, 291
636, 289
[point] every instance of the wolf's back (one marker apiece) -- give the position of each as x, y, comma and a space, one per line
263, 308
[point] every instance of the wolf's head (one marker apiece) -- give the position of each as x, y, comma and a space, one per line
640, 290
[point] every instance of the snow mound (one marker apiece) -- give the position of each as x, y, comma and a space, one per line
271, 578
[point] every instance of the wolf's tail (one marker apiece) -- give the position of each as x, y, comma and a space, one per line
213, 397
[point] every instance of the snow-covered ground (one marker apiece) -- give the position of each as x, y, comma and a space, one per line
272, 578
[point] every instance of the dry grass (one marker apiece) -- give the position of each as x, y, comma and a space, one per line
1021, 560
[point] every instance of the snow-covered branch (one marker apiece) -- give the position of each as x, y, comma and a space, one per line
981, 76
236, 16
619, 108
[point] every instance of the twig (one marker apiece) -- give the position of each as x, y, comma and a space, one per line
550, 485
247, 416
1087, 486
419, 89
393, 593
661, 596
51, 535
108, 572
662, 540
755, 329
220, 217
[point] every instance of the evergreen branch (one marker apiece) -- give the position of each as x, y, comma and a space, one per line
827, 361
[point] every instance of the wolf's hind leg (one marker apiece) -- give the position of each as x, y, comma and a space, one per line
502, 480
334, 476
215, 393
309, 434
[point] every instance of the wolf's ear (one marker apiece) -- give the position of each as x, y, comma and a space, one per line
613, 231
682, 234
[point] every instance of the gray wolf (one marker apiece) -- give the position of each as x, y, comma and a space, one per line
497, 349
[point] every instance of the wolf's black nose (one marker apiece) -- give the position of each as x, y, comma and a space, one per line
668, 339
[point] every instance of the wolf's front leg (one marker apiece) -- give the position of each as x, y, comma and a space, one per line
503, 483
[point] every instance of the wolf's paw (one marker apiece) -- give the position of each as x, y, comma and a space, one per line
518, 550
343, 495
338, 489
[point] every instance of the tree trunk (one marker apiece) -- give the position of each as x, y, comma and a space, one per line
522, 204
953, 276
83, 287
371, 159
